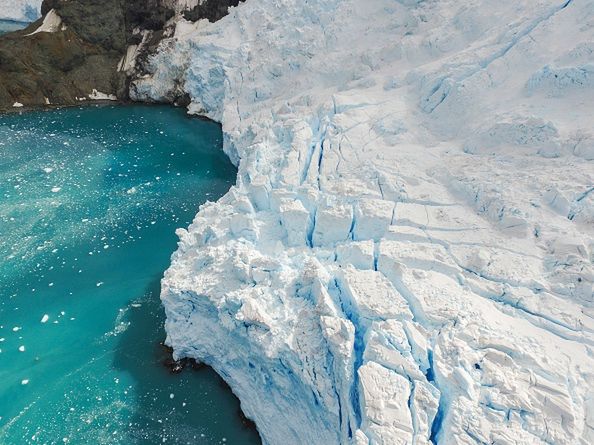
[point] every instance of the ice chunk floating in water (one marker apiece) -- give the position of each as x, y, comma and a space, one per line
81, 259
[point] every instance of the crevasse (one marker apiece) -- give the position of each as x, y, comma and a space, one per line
395, 264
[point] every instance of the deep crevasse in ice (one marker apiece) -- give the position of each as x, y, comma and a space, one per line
20, 10
407, 256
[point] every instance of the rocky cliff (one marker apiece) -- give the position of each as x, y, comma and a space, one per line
88, 49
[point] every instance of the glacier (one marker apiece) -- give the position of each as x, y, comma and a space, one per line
20, 10
407, 255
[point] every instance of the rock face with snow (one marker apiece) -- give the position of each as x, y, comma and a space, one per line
81, 46
407, 256
62, 57
20, 10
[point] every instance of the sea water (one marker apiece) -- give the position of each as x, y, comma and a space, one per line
89, 202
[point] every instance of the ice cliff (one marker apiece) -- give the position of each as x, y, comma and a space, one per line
407, 256
20, 10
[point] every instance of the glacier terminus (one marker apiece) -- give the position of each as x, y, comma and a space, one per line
407, 255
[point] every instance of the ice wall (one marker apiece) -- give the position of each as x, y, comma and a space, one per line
20, 10
407, 256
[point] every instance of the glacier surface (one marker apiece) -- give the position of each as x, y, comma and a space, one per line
407, 256
20, 10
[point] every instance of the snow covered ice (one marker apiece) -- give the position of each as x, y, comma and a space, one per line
20, 10
407, 256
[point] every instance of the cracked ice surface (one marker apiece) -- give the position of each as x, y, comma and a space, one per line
407, 256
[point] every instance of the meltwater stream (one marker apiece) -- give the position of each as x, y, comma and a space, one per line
89, 202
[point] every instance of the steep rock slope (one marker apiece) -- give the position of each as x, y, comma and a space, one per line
407, 256
74, 52
88, 49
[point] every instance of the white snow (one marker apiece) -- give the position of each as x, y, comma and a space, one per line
17, 105
52, 22
20, 10
407, 255
128, 60
98, 95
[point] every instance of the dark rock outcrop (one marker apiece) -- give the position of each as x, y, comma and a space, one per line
212, 10
84, 54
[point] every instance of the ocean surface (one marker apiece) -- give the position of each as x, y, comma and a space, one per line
90, 199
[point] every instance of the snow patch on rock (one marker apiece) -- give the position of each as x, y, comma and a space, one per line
52, 22
98, 95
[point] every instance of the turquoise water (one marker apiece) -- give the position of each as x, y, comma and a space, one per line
10, 25
89, 202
